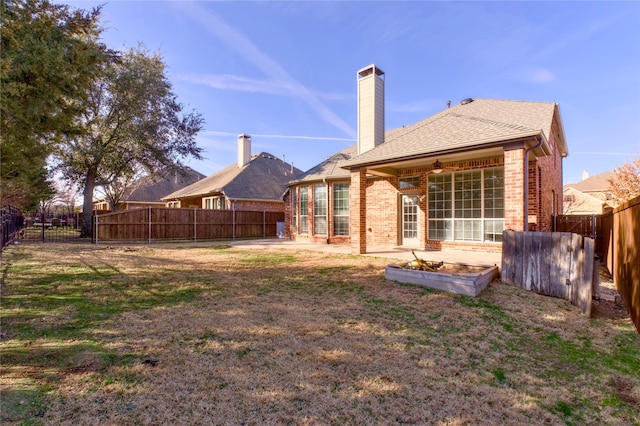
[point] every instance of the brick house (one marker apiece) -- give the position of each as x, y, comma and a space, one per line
456, 179
590, 196
149, 190
256, 182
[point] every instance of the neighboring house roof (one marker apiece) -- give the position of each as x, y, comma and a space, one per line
468, 125
264, 177
577, 202
153, 188
596, 183
331, 168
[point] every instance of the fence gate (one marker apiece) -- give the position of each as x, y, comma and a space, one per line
44, 228
588, 225
558, 264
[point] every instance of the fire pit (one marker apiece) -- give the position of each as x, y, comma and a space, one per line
458, 278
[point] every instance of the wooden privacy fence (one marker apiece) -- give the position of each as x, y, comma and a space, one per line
618, 243
558, 264
625, 255
160, 223
588, 225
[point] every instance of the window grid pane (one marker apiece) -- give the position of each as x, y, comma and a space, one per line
409, 183
320, 209
468, 195
304, 210
341, 209
494, 193
294, 210
439, 206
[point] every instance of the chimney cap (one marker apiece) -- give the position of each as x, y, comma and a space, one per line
370, 69
244, 136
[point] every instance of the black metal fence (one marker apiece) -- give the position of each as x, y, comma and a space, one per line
12, 223
50, 227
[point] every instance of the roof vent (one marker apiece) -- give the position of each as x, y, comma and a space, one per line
466, 101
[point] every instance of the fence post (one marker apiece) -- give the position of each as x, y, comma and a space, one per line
233, 223
264, 224
42, 220
149, 241
195, 228
95, 229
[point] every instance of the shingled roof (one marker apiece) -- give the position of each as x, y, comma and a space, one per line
596, 183
472, 124
153, 188
264, 177
331, 168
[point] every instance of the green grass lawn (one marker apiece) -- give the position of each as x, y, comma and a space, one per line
192, 334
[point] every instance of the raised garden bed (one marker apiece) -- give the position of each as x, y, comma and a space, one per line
454, 277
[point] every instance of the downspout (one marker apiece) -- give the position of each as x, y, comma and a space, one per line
526, 182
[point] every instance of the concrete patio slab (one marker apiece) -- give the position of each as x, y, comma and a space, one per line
399, 253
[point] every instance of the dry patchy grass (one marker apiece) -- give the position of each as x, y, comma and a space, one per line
188, 334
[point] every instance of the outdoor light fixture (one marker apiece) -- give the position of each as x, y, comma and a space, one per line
437, 167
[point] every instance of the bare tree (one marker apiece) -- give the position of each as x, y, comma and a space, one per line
119, 184
625, 183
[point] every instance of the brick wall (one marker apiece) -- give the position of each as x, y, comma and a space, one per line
464, 246
513, 189
267, 206
287, 214
550, 184
382, 211
357, 211
375, 201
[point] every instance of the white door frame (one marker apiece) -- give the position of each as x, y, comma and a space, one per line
409, 220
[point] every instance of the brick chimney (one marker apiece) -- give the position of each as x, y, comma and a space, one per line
370, 108
244, 149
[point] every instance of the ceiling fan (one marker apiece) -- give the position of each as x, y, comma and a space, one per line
438, 168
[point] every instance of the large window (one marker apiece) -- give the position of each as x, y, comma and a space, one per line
340, 209
467, 206
320, 209
304, 210
215, 203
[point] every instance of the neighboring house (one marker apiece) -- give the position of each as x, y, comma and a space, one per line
590, 196
149, 190
456, 179
255, 183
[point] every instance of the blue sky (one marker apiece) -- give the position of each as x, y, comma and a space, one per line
285, 72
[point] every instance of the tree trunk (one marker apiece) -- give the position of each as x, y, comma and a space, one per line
87, 204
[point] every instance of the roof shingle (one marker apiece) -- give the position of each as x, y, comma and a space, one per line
263, 178
469, 125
